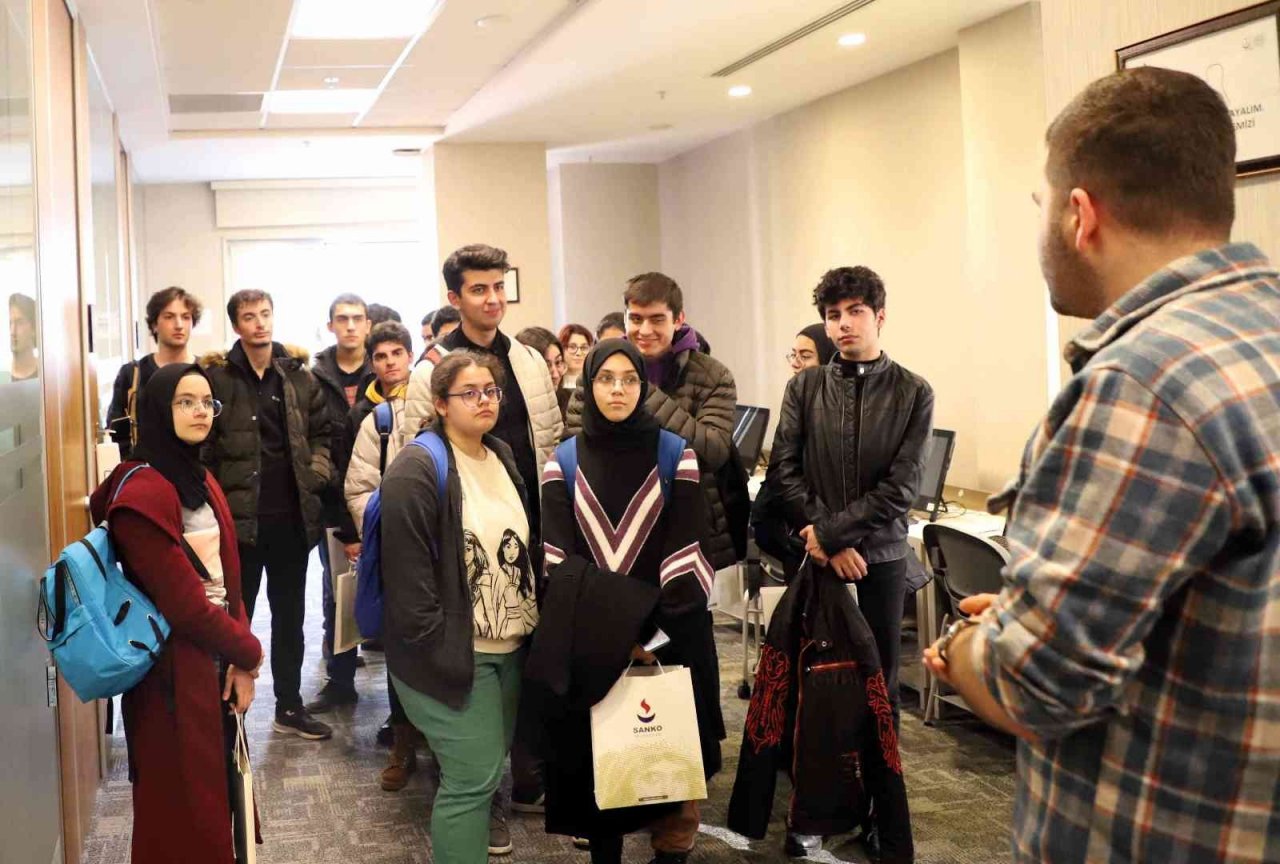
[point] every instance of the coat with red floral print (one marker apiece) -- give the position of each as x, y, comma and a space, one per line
820, 711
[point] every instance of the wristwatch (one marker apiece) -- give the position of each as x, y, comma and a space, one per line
956, 626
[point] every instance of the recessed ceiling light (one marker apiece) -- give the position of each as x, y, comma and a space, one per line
852, 40
351, 101
331, 81
370, 19
489, 22
739, 91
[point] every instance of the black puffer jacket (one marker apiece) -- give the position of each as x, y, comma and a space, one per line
821, 711
700, 410
849, 454
326, 371
233, 451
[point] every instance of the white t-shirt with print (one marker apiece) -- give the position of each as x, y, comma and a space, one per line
496, 554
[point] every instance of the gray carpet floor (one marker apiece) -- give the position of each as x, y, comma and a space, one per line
321, 803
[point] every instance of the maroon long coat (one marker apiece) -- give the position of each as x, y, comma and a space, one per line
173, 718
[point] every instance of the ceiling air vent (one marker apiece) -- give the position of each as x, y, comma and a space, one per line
794, 36
214, 103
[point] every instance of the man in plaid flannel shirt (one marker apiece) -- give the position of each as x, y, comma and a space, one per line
1135, 648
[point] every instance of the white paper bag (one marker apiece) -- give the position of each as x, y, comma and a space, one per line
243, 822
346, 633
644, 740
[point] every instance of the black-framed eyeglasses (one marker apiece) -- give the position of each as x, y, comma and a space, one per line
471, 398
188, 406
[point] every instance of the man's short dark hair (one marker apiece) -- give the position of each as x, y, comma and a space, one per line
477, 256
347, 300
1155, 147
378, 313
426, 319
244, 298
650, 288
160, 300
390, 331
444, 315
849, 283
612, 321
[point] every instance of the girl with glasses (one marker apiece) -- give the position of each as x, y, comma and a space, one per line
577, 341
543, 341
453, 629
172, 528
633, 525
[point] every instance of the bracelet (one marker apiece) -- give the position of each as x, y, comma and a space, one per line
954, 630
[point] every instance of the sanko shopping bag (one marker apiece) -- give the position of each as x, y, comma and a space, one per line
644, 740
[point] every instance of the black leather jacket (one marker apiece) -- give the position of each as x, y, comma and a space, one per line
849, 454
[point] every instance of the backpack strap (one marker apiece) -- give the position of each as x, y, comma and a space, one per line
131, 403
433, 444
382, 420
670, 451
567, 459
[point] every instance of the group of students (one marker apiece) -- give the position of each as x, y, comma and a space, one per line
1143, 532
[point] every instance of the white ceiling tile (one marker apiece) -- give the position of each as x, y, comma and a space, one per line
230, 46
314, 77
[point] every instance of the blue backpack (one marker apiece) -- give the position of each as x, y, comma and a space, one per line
369, 566
670, 449
103, 632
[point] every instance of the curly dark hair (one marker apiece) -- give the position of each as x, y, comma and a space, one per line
477, 256
162, 298
849, 283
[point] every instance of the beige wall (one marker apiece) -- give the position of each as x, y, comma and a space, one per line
496, 194
1006, 377
891, 174
181, 246
605, 229
1080, 40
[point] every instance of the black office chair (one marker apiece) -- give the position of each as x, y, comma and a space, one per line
964, 565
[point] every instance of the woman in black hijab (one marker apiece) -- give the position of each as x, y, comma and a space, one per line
172, 529
813, 347
637, 510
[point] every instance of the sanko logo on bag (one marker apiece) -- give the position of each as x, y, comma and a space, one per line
646, 716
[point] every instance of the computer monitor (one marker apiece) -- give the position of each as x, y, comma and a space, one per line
936, 463
749, 425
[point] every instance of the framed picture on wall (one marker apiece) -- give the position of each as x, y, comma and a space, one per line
1239, 56
512, 281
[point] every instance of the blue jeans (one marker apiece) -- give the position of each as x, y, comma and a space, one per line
341, 668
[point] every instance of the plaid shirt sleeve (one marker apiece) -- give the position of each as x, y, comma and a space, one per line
1118, 508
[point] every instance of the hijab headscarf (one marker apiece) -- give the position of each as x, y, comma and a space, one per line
158, 443
595, 425
817, 333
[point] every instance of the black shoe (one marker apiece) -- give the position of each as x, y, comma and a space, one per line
386, 734
528, 802
669, 858
359, 662
802, 845
299, 722
331, 696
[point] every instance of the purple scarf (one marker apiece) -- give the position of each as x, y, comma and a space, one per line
662, 372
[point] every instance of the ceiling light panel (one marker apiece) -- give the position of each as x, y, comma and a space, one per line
336, 101
369, 19
320, 78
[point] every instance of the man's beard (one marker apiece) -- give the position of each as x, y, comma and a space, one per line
1073, 285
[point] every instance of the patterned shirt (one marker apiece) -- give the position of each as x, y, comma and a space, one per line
1138, 634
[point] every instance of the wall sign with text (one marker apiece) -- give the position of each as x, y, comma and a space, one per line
1239, 56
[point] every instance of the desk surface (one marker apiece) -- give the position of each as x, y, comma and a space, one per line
973, 522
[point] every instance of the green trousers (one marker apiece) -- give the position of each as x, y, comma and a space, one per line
471, 746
